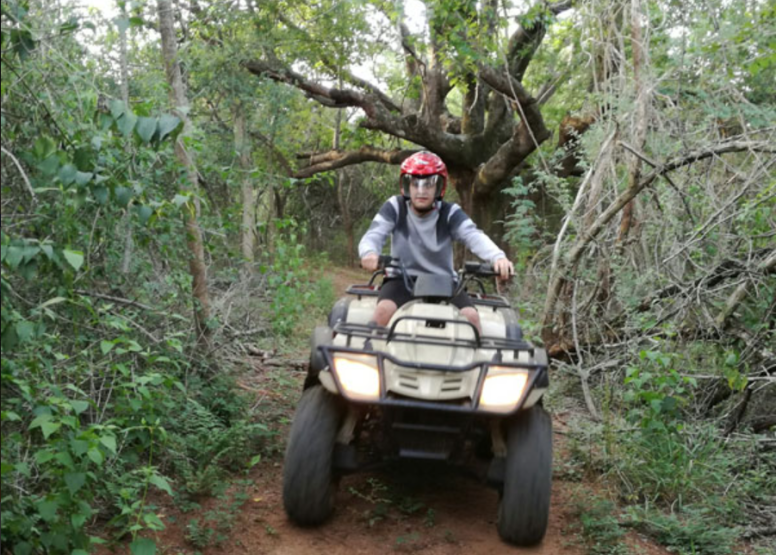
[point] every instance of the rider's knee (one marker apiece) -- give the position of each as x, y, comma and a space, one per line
472, 315
383, 312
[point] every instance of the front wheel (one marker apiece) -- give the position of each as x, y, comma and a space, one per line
308, 479
524, 509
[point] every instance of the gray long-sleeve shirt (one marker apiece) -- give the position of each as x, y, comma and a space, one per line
425, 243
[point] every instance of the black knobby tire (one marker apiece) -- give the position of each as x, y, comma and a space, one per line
524, 509
322, 335
308, 479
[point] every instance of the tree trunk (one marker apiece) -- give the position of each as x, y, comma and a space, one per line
342, 196
642, 116
126, 220
179, 103
243, 150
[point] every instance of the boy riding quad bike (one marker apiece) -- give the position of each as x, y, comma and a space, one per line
429, 385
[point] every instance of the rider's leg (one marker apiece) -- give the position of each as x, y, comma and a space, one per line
383, 312
473, 316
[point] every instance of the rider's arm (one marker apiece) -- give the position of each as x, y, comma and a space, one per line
381, 227
462, 229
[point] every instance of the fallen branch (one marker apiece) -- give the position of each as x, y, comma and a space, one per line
297, 364
120, 300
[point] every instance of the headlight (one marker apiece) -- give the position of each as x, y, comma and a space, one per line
503, 389
358, 376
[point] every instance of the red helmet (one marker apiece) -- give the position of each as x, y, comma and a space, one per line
424, 164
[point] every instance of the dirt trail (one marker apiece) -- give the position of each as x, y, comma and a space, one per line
401, 510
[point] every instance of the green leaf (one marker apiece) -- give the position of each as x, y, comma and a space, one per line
10, 416
79, 446
82, 178
143, 546
145, 129
180, 200
127, 123
74, 258
106, 346
109, 442
144, 213
67, 174
167, 124
48, 510
153, 521
79, 406
75, 481
25, 330
22, 548
14, 256
49, 428
50, 302
30, 252
100, 194
161, 483
122, 195
96, 456
117, 108
78, 520
49, 166
42, 457
44, 147
23, 468
5, 468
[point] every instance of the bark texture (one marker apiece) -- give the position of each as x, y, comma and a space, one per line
179, 103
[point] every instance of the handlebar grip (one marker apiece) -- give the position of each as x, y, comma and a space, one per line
384, 260
481, 269
487, 270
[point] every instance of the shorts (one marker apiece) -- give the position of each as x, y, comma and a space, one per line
394, 290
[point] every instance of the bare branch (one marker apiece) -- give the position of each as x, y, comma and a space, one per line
575, 253
21, 171
338, 159
329, 96
346, 75
765, 267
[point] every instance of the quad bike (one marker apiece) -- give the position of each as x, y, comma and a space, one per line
427, 386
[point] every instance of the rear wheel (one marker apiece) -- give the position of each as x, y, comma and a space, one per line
308, 479
525, 500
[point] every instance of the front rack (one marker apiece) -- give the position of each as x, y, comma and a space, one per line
368, 332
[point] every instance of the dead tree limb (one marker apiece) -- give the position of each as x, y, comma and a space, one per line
766, 266
574, 255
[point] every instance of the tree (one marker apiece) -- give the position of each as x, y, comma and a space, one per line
463, 92
179, 104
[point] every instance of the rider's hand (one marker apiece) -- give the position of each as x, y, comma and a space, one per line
503, 267
370, 262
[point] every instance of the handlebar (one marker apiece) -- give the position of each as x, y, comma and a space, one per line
479, 269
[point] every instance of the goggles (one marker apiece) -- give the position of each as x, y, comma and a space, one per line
422, 182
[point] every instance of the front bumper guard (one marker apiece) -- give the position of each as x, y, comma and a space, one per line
537, 379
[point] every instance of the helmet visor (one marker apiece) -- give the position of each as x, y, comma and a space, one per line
432, 183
